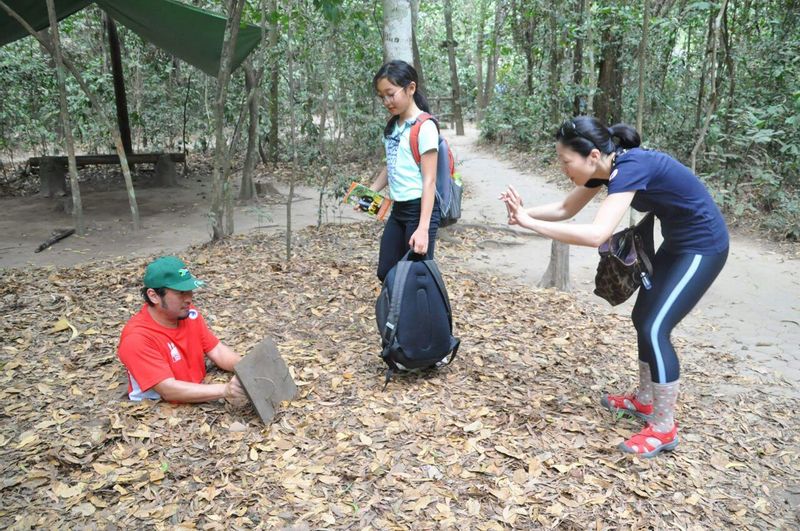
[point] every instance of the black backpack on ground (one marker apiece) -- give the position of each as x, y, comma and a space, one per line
414, 318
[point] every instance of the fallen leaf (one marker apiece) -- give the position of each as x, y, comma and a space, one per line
473, 427
61, 325
63, 490
84, 509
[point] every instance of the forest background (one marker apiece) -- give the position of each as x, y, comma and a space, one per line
713, 83
510, 436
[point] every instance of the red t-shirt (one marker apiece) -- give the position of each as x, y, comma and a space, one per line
152, 352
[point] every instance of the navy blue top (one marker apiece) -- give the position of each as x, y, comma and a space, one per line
690, 219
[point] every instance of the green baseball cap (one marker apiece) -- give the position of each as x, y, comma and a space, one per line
170, 272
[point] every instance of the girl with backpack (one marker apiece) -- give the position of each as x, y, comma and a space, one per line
414, 219
693, 252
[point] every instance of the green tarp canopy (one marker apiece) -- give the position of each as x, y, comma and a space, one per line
187, 32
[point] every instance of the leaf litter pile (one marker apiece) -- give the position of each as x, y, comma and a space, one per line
511, 435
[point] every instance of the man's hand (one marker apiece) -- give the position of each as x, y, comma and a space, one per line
234, 392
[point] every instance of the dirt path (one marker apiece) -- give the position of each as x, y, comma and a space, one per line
172, 219
752, 311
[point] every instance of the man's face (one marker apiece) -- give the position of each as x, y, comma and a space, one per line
174, 305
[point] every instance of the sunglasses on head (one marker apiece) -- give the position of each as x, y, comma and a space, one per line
569, 130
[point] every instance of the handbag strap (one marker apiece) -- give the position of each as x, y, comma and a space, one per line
644, 229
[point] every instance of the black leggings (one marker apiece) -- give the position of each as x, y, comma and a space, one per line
399, 228
679, 281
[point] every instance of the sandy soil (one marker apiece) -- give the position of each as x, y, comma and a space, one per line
753, 310
171, 218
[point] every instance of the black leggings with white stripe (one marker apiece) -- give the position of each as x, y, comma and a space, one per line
679, 282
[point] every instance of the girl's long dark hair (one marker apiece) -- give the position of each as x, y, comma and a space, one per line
400, 73
582, 134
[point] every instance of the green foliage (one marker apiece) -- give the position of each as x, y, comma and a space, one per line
515, 119
750, 157
751, 153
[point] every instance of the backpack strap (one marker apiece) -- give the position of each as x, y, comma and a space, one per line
390, 329
414, 137
437, 277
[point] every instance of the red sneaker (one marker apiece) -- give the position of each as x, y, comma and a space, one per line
649, 443
628, 404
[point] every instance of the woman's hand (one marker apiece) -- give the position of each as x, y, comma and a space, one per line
513, 201
419, 241
511, 193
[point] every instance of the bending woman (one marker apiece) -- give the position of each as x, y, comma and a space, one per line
693, 253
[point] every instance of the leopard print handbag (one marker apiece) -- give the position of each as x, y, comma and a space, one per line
625, 262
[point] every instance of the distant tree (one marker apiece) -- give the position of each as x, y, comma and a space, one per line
398, 32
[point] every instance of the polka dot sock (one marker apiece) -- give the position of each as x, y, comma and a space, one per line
645, 392
665, 398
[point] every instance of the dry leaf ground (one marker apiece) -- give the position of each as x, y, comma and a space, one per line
509, 436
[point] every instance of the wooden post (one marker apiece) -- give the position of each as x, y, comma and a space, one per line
119, 84
557, 274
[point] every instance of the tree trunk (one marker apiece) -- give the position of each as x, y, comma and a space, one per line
727, 39
451, 56
663, 69
325, 96
556, 56
397, 31
524, 17
579, 101
686, 57
96, 104
221, 196
183, 135
252, 81
293, 132
701, 88
494, 51
480, 98
328, 173
712, 102
607, 100
642, 66
415, 47
557, 273
275, 72
590, 65
529, 32
77, 207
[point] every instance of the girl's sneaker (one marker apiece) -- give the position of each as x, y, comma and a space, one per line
627, 404
649, 443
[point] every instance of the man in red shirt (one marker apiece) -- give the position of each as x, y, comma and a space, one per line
164, 345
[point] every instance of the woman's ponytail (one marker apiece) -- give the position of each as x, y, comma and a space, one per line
627, 137
421, 101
